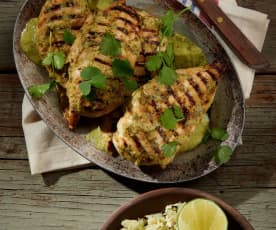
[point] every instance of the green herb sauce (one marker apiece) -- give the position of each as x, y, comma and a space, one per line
186, 53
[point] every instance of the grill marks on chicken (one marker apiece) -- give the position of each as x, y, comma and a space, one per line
140, 135
57, 16
150, 31
123, 23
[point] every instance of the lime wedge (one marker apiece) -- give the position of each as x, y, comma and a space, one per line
201, 214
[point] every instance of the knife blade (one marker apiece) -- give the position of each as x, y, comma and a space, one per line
232, 35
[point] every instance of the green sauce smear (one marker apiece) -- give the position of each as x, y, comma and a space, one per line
186, 53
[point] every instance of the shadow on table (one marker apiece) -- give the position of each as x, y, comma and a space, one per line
51, 178
235, 182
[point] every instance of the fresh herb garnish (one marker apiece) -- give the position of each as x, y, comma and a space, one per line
219, 134
222, 154
169, 149
93, 77
37, 91
215, 133
110, 46
59, 60
168, 55
68, 37
130, 84
48, 60
163, 63
123, 70
154, 62
166, 76
168, 21
178, 113
170, 117
55, 59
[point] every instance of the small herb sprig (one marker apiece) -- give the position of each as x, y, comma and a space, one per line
163, 62
121, 68
169, 149
223, 153
68, 37
168, 120
171, 116
54, 59
37, 91
92, 78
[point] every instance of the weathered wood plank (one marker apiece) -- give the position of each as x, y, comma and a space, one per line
10, 113
263, 93
9, 10
83, 199
13, 148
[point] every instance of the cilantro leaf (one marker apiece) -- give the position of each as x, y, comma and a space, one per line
169, 149
223, 154
167, 76
168, 119
178, 113
219, 134
168, 55
59, 60
88, 72
98, 81
110, 46
85, 88
37, 91
130, 85
93, 77
154, 62
48, 59
68, 37
91, 96
122, 68
167, 23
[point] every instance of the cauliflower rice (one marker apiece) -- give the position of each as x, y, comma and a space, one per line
158, 221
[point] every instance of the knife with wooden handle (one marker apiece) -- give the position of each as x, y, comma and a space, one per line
231, 34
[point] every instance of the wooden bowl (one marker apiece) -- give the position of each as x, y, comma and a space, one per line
156, 200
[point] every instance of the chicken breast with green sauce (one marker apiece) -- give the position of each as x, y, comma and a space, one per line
56, 17
122, 22
140, 136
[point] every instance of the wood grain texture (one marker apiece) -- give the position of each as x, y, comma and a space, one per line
84, 198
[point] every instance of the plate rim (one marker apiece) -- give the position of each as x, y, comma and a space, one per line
107, 167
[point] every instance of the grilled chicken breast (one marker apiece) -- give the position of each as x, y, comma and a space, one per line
140, 135
151, 35
123, 23
56, 16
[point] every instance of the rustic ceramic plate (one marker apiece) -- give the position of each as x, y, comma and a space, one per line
227, 110
155, 201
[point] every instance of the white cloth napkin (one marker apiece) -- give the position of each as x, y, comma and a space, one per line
48, 153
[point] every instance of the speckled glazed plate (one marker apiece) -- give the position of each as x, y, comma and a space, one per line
156, 200
227, 109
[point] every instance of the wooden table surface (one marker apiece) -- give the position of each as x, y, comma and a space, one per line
84, 198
